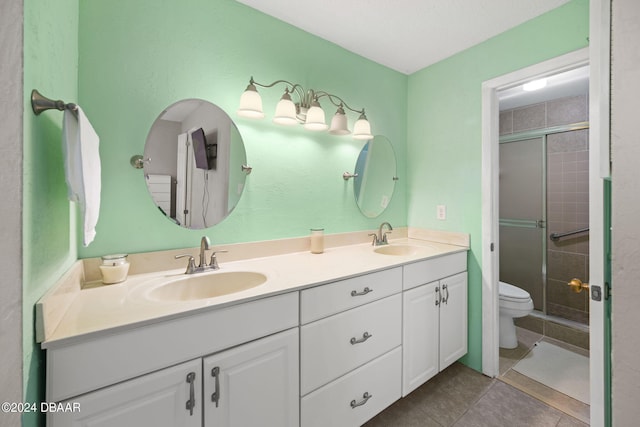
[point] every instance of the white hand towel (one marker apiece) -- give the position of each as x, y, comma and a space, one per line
80, 145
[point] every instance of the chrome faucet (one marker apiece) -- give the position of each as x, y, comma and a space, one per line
205, 245
381, 239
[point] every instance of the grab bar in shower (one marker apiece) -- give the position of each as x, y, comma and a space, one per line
556, 236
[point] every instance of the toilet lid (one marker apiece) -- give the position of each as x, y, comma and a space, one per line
510, 292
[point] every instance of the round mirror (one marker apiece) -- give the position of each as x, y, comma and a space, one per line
194, 157
376, 176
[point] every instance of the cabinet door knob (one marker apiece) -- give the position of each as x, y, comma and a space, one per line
365, 337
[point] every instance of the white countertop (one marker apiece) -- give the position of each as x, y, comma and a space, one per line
110, 308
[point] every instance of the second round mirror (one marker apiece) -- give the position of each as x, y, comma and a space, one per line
375, 178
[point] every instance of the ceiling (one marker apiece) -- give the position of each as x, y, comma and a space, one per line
405, 35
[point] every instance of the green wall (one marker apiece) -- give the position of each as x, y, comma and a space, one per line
49, 237
444, 132
138, 57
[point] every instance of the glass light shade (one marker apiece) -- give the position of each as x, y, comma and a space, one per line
315, 118
285, 111
250, 104
362, 128
339, 124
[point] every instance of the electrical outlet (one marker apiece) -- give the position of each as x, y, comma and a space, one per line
441, 212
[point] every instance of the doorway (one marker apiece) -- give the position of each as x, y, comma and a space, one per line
490, 221
544, 240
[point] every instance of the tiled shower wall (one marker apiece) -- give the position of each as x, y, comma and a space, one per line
567, 197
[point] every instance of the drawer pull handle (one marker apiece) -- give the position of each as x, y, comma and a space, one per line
215, 396
365, 397
365, 337
191, 403
364, 292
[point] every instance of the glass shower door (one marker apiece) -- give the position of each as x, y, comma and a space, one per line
523, 215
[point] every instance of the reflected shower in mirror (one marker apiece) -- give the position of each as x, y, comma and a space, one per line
194, 173
375, 178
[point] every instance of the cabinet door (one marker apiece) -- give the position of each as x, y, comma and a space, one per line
453, 319
159, 399
255, 384
420, 336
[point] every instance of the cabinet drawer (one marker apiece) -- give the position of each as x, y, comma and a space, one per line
326, 349
422, 272
333, 404
323, 301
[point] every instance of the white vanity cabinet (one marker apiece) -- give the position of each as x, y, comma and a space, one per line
249, 385
139, 376
350, 358
434, 318
334, 354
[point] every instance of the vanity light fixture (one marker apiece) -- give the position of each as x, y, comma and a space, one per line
306, 110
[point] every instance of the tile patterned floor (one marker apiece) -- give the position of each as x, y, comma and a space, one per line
462, 397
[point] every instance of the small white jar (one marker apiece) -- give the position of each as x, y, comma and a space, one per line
114, 268
317, 240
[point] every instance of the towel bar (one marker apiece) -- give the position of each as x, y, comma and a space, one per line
40, 103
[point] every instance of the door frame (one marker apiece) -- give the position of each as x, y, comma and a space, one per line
490, 191
598, 167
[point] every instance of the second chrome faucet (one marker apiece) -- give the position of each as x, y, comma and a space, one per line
381, 239
205, 245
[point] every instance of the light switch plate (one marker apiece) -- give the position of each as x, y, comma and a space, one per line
441, 212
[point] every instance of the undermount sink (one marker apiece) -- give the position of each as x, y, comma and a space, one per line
400, 249
203, 286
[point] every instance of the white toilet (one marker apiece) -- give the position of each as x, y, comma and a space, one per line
514, 302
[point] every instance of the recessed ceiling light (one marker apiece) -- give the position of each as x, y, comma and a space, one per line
534, 85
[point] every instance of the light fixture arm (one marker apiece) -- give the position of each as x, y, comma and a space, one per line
293, 87
342, 102
306, 97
